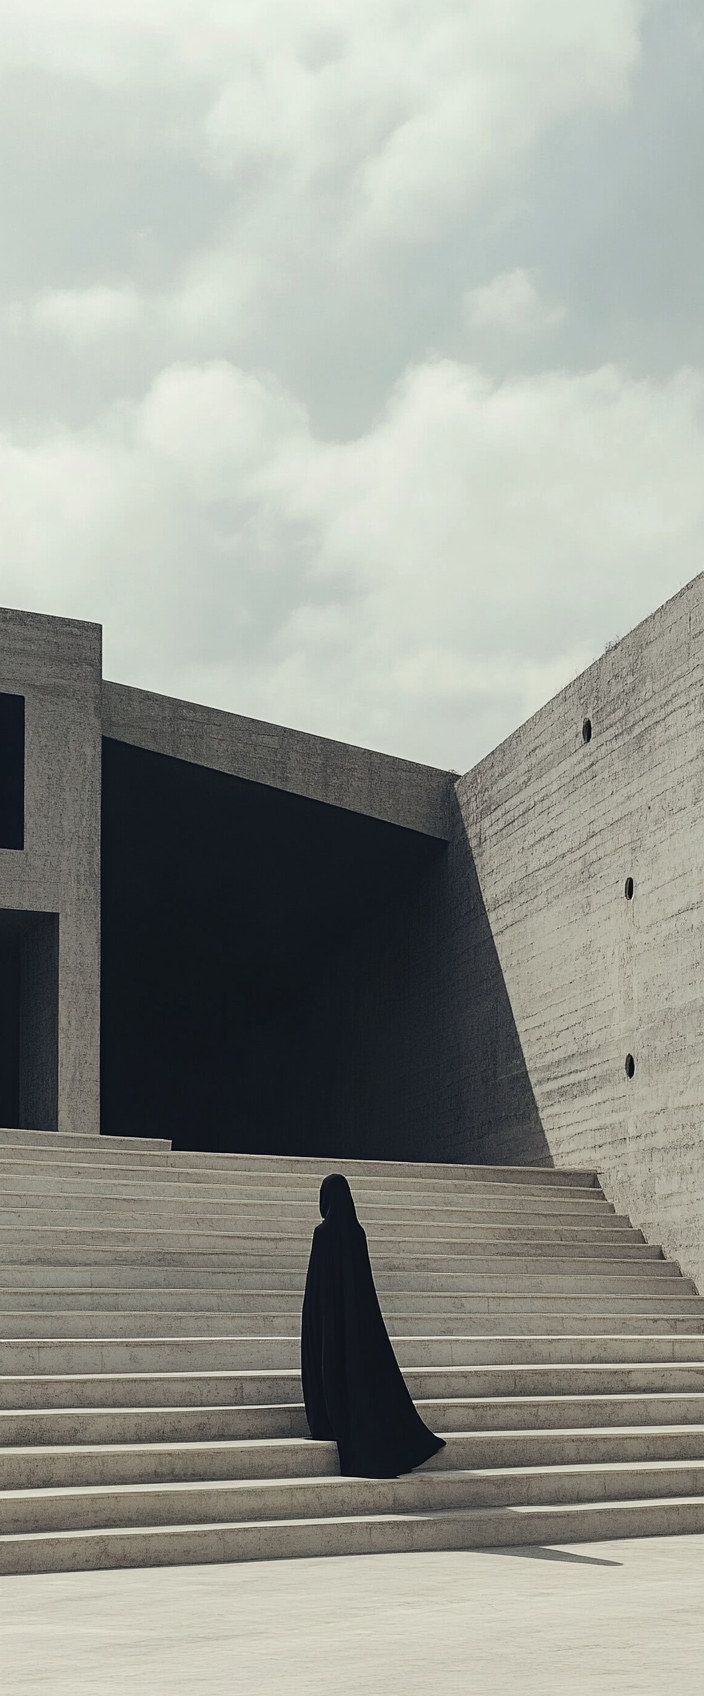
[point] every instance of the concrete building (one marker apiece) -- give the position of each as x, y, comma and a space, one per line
246, 938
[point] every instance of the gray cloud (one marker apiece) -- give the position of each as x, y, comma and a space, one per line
340, 349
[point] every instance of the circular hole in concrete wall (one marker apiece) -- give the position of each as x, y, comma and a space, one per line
587, 730
628, 889
630, 1065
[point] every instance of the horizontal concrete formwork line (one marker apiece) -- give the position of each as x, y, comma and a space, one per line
95, 1465
251, 1386
289, 1539
425, 1492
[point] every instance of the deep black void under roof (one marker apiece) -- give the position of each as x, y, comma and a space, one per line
225, 905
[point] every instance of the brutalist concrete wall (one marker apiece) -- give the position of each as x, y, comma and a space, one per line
398, 791
557, 819
55, 664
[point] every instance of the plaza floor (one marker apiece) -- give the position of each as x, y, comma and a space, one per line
597, 1619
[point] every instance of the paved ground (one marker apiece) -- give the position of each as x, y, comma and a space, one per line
599, 1619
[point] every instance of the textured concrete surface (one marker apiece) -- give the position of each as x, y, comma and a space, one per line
56, 664
556, 826
399, 791
151, 1409
483, 1011
600, 1619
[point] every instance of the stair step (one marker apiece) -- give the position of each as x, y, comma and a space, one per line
281, 1418
301, 1199
353, 1534
150, 1397
85, 1326
255, 1352
85, 1141
294, 1168
109, 1506
594, 1247
255, 1385
431, 1252
47, 1182
46, 1466
121, 1354
263, 1232
419, 1358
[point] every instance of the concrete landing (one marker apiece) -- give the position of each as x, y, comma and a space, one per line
597, 1619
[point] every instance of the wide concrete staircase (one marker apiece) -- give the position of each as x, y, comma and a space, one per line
150, 1398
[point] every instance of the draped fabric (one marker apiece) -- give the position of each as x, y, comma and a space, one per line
352, 1384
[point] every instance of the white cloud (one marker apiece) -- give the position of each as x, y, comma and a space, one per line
428, 578
390, 111
419, 588
510, 302
82, 317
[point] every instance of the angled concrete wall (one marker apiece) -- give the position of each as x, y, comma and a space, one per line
377, 785
555, 826
482, 1009
53, 883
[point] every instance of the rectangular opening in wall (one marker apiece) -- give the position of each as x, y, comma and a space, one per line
11, 771
29, 1020
9, 1025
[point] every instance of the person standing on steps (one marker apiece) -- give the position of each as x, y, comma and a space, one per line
352, 1384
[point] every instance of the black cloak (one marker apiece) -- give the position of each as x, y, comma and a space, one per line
352, 1384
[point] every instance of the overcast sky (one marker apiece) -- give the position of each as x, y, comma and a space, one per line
352, 351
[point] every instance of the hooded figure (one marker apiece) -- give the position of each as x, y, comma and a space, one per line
352, 1384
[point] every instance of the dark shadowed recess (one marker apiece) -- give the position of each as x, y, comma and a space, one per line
281, 976
11, 771
255, 949
29, 1027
